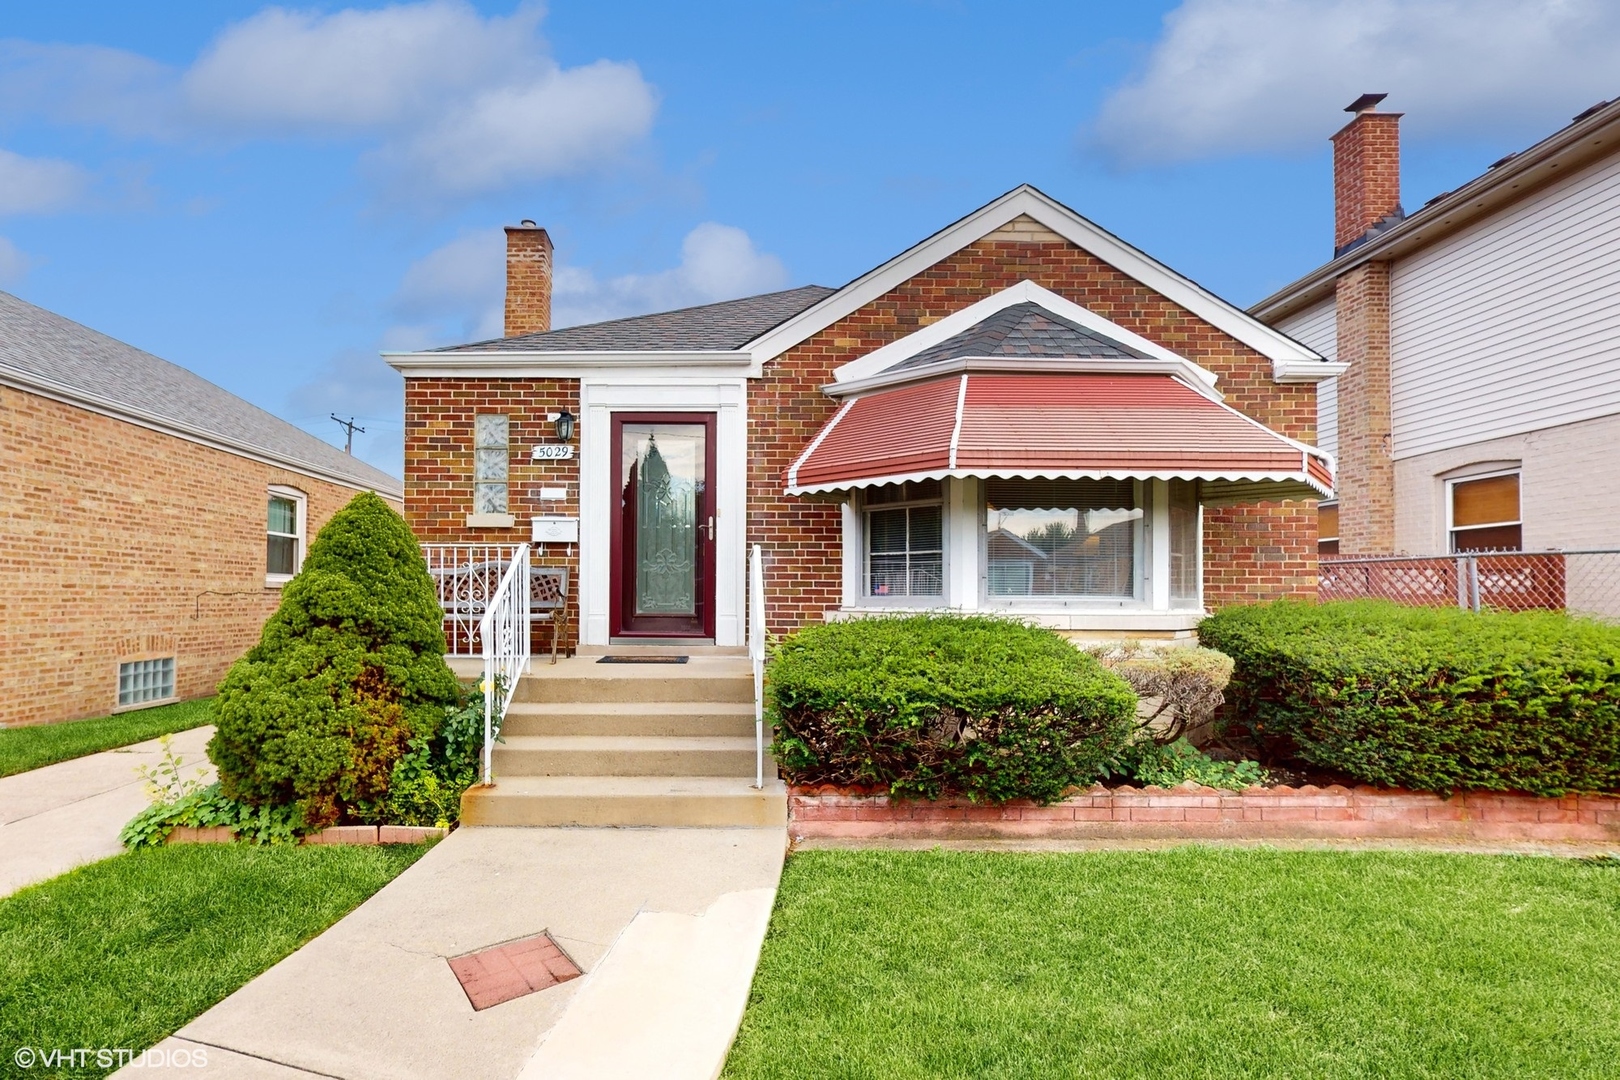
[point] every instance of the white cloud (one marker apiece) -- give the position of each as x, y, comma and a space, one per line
14, 263
1243, 76
453, 102
456, 292
36, 185
718, 262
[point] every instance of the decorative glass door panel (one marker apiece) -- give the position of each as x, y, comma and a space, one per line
663, 531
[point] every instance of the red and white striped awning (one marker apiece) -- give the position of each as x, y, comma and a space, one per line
1075, 426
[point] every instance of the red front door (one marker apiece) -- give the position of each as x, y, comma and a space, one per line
663, 525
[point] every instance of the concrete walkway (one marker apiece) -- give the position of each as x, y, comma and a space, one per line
65, 815
666, 924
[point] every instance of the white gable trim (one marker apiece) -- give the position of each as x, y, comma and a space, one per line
1066, 223
1025, 291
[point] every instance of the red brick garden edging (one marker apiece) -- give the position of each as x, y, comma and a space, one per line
1190, 811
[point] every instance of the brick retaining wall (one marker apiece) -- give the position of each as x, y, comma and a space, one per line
1207, 813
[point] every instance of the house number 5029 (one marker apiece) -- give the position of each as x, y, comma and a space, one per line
552, 452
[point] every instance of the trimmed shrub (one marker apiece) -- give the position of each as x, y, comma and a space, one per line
348, 672
1179, 688
935, 705
1434, 700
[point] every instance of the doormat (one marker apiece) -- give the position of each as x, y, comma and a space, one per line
611, 659
509, 971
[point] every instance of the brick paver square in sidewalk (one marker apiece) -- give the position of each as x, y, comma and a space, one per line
491, 976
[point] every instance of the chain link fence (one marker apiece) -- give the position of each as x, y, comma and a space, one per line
1580, 582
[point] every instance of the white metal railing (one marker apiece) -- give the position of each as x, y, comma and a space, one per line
466, 577
756, 653
503, 632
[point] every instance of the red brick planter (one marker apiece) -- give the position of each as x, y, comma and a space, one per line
337, 834
1192, 812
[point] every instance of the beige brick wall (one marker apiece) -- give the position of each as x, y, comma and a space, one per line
1569, 490
1365, 482
122, 543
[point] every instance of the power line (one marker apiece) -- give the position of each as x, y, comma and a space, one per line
349, 428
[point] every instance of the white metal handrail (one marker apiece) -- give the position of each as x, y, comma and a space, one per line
756, 653
504, 633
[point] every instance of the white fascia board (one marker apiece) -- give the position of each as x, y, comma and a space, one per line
67, 395
513, 364
1183, 370
1307, 371
1023, 292
1060, 474
1022, 200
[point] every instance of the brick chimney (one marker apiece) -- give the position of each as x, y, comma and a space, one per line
1366, 173
528, 279
1366, 198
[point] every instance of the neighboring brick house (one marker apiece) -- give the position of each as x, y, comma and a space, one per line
1137, 448
149, 519
1481, 404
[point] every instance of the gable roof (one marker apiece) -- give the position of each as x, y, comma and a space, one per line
1590, 136
45, 353
726, 325
1025, 200
1024, 329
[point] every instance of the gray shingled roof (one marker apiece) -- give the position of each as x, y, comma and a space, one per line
1025, 329
726, 325
43, 349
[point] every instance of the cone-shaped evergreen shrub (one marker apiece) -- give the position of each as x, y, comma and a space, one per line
348, 670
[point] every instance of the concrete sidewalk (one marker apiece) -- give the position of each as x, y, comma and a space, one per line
65, 815
665, 923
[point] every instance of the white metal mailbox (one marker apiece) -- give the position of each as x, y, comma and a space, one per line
549, 529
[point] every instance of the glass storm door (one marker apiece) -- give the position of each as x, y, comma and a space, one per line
663, 526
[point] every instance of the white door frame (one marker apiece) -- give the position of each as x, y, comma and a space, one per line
644, 392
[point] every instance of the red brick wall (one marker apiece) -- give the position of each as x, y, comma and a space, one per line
1366, 175
124, 544
439, 467
786, 408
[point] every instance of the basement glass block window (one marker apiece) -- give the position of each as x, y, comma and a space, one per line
140, 681
491, 454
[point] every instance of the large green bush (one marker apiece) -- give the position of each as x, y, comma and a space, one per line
348, 673
1434, 700
935, 705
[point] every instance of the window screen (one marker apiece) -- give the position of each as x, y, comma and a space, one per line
490, 460
145, 680
1485, 514
282, 539
1062, 538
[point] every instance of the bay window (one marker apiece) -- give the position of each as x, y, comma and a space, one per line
1062, 539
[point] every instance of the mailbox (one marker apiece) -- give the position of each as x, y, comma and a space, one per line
556, 530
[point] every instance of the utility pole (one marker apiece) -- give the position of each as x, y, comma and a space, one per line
349, 428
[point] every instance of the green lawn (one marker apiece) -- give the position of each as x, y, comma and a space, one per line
123, 952
1187, 962
30, 747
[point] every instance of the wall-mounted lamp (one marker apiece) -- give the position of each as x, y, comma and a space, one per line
565, 425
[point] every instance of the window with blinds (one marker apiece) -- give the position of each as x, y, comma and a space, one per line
1063, 539
1485, 514
1327, 528
905, 539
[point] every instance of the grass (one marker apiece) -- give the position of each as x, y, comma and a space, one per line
123, 952
30, 747
1187, 962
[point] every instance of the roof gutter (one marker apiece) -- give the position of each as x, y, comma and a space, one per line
1585, 139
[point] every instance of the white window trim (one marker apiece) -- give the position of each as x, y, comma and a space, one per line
1452, 530
301, 501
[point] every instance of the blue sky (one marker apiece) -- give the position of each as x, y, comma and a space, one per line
271, 195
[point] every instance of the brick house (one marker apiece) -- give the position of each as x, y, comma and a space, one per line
150, 519
1022, 413
1481, 333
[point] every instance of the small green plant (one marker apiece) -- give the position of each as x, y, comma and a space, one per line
209, 807
166, 782
1168, 764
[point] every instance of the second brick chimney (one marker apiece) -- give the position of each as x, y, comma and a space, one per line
528, 279
1366, 173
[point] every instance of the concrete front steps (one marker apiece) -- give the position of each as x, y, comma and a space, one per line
630, 745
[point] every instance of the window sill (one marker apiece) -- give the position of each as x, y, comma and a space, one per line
139, 705
276, 581
1056, 618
